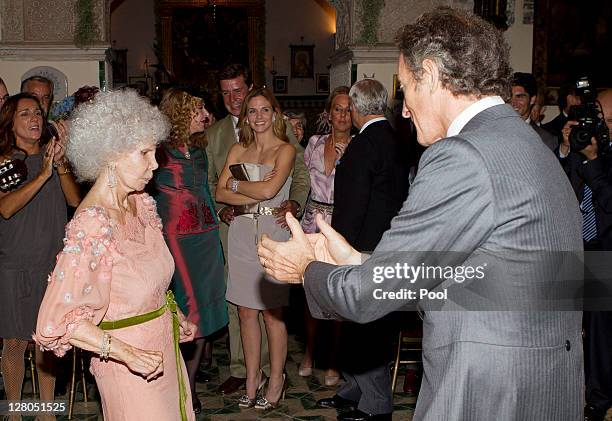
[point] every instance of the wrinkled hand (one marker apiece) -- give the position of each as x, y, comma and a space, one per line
148, 364
187, 330
227, 214
287, 261
330, 247
290, 206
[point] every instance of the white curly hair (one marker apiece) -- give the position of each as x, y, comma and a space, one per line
113, 124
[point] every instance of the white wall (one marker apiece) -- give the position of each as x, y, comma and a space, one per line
520, 38
286, 22
78, 73
133, 27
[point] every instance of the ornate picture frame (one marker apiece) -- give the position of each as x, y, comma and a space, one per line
302, 61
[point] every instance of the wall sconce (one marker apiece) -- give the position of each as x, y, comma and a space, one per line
273, 72
146, 67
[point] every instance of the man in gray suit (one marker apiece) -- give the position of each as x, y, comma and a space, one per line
486, 188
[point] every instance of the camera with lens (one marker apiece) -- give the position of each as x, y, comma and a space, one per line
590, 122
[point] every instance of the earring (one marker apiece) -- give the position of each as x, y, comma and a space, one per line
112, 180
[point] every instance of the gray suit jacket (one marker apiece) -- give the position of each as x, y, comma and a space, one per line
493, 188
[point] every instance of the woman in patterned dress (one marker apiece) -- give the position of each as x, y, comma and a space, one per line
107, 293
321, 155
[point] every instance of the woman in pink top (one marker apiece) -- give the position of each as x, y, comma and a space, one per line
107, 293
322, 154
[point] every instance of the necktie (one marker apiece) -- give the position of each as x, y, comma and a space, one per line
589, 227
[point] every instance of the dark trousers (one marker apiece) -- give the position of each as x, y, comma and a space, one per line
365, 364
598, 359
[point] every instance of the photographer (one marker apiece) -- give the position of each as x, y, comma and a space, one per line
590, 174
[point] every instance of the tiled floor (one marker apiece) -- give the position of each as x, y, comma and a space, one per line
299, 403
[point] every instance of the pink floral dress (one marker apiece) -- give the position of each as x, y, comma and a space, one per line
108, 271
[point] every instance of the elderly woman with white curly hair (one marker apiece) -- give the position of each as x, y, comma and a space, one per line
107, 293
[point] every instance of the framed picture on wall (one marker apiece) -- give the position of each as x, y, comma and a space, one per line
302, 61
397, 89
322, 83
279, 84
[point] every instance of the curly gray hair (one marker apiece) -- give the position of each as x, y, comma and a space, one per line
472, 56
112, 124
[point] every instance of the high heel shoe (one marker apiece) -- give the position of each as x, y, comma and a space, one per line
264, 404
244, 401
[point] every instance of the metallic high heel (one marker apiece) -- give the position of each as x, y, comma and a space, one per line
264, 404
244, 401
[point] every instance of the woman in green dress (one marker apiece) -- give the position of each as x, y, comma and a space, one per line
191, 227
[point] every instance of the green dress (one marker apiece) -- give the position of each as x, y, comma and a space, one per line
191, 230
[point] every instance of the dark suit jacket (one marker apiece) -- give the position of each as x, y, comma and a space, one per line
548, 138
369, 187
597, 174
556, 125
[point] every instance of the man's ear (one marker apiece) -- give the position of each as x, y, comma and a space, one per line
533, 100
250, 87
431, 75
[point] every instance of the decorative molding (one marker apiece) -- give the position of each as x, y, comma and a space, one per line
51, 52
11, 20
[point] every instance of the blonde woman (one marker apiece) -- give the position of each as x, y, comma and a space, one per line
267, 155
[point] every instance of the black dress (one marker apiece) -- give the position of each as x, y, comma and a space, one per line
29, 243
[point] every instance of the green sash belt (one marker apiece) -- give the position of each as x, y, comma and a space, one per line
142, 318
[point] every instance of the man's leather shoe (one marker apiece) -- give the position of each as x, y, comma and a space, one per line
202, 377
593, 414
231, 385
197, 406
357, 415
337, 402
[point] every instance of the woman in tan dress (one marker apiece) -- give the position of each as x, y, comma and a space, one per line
268, 157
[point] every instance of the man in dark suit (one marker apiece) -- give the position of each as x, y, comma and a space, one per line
486, 191
567, 97
590, 174
524, 98
369, 188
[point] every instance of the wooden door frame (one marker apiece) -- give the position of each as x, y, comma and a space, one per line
256, 20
